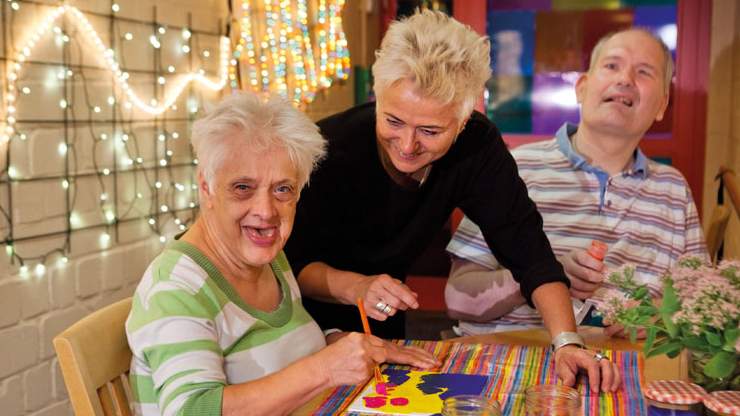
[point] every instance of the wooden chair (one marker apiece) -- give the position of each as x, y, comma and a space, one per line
94, 357
716, 231
722, 211
731, 185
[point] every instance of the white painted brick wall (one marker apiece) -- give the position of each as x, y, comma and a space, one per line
11, 396
38, 386
34, 309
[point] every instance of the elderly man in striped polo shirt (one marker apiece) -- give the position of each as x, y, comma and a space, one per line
590, 182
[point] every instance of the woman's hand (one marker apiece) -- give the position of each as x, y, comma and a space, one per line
413, 356
380, 290
350, 359
602, 373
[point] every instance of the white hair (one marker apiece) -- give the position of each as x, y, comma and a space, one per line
667, 57
446, 60
262, 124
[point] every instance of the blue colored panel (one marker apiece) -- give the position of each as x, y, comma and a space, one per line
661, 20
512, 42
512, 113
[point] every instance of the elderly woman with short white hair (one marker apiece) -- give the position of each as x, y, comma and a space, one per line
395, 171
217, 325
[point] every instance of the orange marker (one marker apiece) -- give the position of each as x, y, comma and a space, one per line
597, 250
366, 328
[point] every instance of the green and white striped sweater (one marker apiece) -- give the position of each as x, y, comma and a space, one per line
191, 334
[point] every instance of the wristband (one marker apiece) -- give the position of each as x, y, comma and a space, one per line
567, 338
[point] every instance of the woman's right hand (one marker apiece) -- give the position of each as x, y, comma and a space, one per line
351, 359
382, 289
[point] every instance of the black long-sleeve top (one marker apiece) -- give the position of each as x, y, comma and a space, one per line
353, 216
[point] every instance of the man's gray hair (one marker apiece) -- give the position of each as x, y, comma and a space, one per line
667, 57
445, 59
261, 123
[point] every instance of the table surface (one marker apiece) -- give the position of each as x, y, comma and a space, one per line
656, 368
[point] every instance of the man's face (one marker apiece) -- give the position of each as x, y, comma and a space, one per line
624, 92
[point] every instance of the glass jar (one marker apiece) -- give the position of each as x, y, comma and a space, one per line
552, 400
470, 405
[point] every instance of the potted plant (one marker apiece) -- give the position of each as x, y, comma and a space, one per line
699, 310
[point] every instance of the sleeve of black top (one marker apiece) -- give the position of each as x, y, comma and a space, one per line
310, 236
497, 201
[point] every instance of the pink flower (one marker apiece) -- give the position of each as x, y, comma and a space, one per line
709, 297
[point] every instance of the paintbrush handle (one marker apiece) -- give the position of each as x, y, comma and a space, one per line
378, 376
363, 316
366, 328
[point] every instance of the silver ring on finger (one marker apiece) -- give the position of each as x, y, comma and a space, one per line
387, 309
599, 356
381, 307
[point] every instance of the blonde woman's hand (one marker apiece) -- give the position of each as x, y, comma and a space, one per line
384, 296
603, 374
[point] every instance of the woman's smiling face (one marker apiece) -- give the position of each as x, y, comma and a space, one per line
414, 130
252, 206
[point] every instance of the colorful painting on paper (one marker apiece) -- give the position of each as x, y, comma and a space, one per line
409, 392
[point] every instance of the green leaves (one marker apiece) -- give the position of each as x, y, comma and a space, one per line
650, 339
669, 348
641, 293
713, 339
696, 312
697, 343
721, 365
669, 306
731, 336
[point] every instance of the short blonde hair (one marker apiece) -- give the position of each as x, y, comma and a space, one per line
667, 57
446, 60
261, 123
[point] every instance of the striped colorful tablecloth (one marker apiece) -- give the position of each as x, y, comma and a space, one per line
513, 368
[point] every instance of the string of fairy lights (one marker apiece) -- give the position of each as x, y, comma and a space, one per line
128, 147
291, 55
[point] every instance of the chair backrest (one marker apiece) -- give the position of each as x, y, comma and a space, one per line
732, 186
95, 358
716, 231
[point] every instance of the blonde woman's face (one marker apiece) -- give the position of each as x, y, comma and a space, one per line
252, 206
413, 129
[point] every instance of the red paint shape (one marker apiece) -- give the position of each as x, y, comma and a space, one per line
373, 402
399, 401
381, 388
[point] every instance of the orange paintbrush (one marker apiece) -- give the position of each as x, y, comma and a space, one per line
366, 327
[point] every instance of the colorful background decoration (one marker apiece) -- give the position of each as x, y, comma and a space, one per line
286, 48
120, 94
